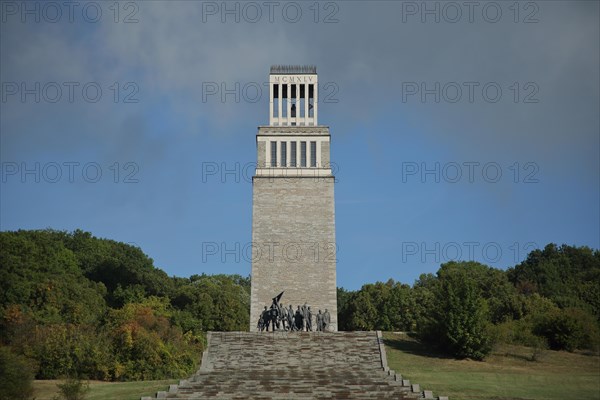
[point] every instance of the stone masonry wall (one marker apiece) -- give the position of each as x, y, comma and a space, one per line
293, 235
261, 159
325, 155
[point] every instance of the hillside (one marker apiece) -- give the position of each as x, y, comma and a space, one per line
76, 305
73, 303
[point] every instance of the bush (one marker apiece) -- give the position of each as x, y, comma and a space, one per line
65, 350
16, 374
73, 389
518, 332
568, 329
146, 346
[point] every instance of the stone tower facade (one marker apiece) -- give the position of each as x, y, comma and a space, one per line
293, 214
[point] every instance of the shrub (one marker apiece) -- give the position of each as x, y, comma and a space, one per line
16, 374
518, 332
65, 349
73, 389
568, 329
147, 346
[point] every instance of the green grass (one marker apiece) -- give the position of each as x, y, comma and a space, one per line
45, 390
507, 374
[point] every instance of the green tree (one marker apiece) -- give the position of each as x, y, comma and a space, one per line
568, 275
41, 275
16, 374
55, 308
424, 291
458, 320
218, 302
379, 306
344, 316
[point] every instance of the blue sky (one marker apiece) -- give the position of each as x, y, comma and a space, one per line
475, 136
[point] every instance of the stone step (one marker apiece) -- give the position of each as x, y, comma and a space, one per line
298, 365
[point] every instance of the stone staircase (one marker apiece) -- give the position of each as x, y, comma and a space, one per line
294, 365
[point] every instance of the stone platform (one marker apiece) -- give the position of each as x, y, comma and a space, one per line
307, 365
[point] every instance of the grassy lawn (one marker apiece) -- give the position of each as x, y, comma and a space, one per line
507, 374
45, 390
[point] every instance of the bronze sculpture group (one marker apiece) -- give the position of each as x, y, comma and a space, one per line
280, 318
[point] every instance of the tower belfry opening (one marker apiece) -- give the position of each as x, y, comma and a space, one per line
293, 213
292, 96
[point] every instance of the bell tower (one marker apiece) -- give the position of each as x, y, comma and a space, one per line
293, 96
293, 213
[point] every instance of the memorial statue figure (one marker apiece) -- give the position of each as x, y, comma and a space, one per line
283, 317
275, 311
319, 318
304, 315
308, 319
274, 317
290, 316
278, 317
263, 321
326, 320
298, 319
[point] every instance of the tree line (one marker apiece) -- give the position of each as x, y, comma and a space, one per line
550, 300
73, 304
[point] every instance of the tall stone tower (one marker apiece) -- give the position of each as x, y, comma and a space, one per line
293, 215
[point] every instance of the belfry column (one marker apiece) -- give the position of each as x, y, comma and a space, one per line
315, 103
280, 102
289, 105
306, 111
270, 104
